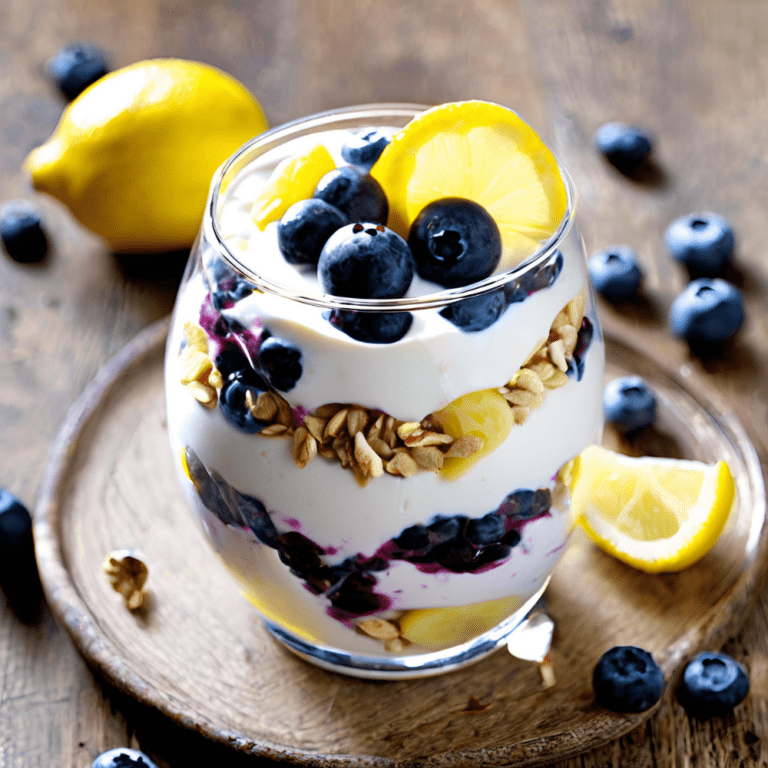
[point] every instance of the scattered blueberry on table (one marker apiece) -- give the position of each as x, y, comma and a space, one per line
713, 684
615, 272
707, 312
703, 242
123, 757
363, 148
22, 233
624, 146
77, 66
455, 242
627, 679
305, 228
629, 403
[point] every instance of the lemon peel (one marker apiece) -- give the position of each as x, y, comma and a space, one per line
482, 152
655, 514
133, 155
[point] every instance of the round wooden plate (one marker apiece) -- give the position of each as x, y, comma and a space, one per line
198, 652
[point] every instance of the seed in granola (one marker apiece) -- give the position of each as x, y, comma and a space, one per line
127, 573
396, 644
274, 430
408, 428
265, 407
304, 447
381, 448
196, 337
193, 365
369, 461
337, 424
380, 629
357, 419
428, 457
569, 335
557, 355
464, 446
203, 393
402, 464
316, 426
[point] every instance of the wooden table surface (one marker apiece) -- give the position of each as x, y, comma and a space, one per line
693, 72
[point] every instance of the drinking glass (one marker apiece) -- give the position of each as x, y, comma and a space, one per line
390, 509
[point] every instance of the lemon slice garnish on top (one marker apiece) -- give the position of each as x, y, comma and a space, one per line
482, 152
656, 514
293, 179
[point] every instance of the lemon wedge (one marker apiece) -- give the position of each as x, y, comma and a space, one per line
133, 155
482, 152
294, 179
656, 514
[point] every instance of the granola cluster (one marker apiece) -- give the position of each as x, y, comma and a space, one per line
386, 631
372, 443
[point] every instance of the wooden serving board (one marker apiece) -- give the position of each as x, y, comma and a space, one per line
197, 650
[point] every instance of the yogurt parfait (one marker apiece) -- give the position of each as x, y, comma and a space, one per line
382, 354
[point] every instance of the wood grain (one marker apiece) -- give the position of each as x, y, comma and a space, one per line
197, 652
693, 71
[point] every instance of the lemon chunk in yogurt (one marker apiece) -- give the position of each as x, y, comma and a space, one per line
294, 179
443, 627
484, 414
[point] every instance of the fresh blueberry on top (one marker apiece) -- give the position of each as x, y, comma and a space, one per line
477, 312
624, 146
356, 194
364, 147
627, 679
280, 361
372, 327
455, 242
77, 66
713, 684
233, 400
365, 261
122, 757
707, 312
703, 242
304, 229
615, 272
21, 230
629, 403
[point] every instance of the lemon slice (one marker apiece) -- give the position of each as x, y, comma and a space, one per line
294, 179
482, 152
656, 514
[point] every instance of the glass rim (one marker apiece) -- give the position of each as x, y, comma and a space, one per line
273, 137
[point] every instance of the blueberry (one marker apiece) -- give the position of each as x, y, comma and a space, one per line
455, 242
624, 146
713, 684
21, 229
364, 148
122, 757
445, 529
304, 229
615, 273
534, 279
627, 679
280, 362
707, 312
231, 361
629, 403
488, 529
415, 537
298, 552
15, 527
703, 242
77, 66
253, 514
212, 490
477, 312
525, 504
366, 261
357, 195
372, 327
233, 403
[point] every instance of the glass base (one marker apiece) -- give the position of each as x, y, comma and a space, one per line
411, 666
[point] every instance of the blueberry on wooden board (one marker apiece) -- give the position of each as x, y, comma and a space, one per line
627, 679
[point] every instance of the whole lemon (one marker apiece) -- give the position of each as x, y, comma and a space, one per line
133, 155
